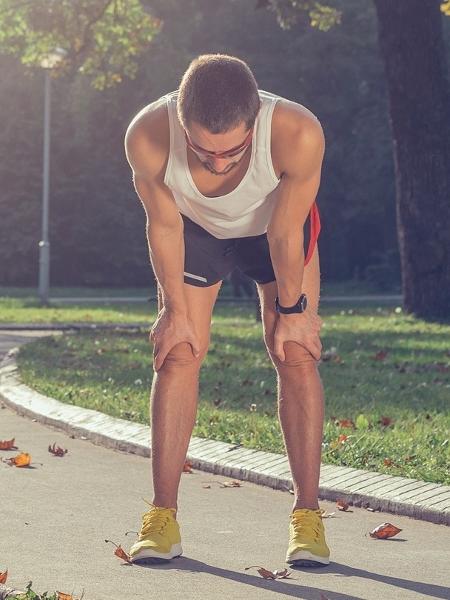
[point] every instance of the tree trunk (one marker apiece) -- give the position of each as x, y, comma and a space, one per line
413, 50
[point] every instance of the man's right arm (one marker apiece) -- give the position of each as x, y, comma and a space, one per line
164, 223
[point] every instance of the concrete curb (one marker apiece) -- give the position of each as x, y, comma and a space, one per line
397, 495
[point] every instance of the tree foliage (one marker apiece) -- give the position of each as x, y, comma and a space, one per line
291, 12
101, 37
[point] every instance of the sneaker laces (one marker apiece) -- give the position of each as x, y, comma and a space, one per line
307, 522
156, 518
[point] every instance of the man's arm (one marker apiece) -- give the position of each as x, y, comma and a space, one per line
164, 228
301, 164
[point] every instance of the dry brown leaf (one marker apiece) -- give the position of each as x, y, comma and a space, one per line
4, 576
233, 483
57, 451
20, 460
385, 421
8, 445
270, 574
384, 531
187, 467
342, 504
120, 552
63, 596
346, 423
380, 355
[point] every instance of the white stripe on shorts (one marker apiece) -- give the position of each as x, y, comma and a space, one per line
195, 276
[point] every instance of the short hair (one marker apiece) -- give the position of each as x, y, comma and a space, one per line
218, 92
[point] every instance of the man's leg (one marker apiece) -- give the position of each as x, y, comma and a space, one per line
300, 394
174, 396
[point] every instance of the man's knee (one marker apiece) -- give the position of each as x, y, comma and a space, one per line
295, 355
182, 354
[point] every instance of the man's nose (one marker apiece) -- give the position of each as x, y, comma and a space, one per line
219, 163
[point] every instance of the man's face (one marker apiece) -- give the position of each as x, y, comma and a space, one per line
204, 143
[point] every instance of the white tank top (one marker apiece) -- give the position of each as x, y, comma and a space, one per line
246, 210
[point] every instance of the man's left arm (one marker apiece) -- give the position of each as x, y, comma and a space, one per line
298, 188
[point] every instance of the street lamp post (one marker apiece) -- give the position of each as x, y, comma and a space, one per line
47, 63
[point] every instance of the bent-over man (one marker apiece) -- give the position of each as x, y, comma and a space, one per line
228, 175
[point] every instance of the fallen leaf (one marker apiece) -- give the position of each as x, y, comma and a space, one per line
342, 504
63, 596
120, 552
346, 423
387, 462
4, 576
385, 421
20, 460
233, 483
380, 355
187, 467
58, 451
270, 574
8, 445
385, 530
7, 593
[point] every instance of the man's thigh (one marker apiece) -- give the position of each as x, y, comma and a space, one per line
295, 353
200, 303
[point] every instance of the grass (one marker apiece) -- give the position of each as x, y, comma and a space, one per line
398, 403
22, 305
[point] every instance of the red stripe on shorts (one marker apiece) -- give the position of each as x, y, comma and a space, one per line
314, 229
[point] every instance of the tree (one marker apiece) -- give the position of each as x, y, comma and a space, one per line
413, 51
101, 37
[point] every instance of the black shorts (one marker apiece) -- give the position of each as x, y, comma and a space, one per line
209, 259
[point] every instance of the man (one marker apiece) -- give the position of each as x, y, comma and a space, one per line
228, 175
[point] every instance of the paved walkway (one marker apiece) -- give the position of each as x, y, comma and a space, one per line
56, 516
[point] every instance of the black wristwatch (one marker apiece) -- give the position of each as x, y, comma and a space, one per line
299, 306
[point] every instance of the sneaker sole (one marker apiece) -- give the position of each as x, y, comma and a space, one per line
148, 553
307, 559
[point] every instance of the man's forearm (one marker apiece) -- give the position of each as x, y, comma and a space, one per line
292, 276
166, 249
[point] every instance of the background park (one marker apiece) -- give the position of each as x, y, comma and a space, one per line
72, 229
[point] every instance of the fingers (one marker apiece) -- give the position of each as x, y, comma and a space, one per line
315, 347
159, 357
160, 352
279, 349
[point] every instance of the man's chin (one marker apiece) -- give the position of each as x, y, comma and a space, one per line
212, 170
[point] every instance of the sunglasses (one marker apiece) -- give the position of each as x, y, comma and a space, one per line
226, 154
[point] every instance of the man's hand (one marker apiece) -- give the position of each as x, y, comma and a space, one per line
169, 329
302, 328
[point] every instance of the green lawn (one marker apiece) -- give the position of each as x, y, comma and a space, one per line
112, 372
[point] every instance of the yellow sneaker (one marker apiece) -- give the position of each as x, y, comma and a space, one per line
159, 536
307, 546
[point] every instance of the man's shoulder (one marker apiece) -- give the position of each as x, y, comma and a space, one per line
148, 136
290, 117
151, 124
295, 130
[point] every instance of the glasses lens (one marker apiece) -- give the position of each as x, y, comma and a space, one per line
235, 152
